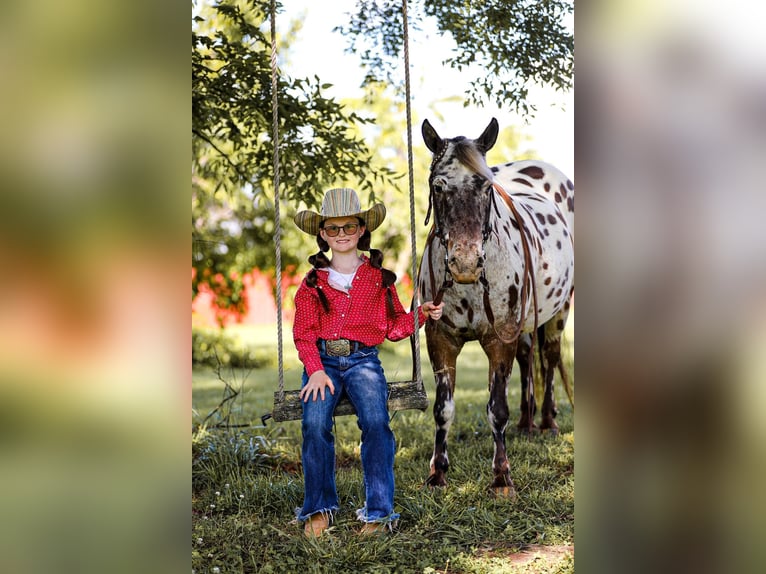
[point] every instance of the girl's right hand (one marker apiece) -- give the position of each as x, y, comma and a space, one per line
318, 381
433, 311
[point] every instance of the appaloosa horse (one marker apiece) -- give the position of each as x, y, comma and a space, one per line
498, 284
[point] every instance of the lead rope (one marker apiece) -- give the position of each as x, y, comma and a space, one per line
416, 374
277, 223
528, 281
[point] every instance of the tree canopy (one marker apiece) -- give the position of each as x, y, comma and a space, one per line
232, 149
513, 43
324, 142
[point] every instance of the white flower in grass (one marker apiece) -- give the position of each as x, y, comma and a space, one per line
226, 485
212, 506
218, 493
216, 569
242, 496
199, 540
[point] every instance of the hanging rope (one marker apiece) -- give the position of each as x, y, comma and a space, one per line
402, 394
277, 223
416, 375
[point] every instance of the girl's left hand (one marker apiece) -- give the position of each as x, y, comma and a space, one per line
433, 311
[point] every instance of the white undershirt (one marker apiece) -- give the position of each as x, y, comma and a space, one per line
341, 280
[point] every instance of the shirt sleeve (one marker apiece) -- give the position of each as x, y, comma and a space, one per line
401, 325
306, 328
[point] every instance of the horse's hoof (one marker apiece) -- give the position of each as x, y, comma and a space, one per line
504, 492
502, 486
434, 481
550, 427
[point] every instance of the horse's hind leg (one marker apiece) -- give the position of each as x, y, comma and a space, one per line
443, 351
550, 356
500, 357
528, 406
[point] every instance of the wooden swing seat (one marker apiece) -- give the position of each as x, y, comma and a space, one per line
402, 395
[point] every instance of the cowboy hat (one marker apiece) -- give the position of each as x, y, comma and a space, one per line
340, 202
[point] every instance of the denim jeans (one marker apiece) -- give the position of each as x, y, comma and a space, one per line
360, 376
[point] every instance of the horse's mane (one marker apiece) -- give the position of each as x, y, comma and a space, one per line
469, 155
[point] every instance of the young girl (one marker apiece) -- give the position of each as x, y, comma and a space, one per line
344, 308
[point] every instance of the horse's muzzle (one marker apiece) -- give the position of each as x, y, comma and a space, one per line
466, 264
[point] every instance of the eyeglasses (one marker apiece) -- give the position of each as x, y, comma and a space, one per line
348, 229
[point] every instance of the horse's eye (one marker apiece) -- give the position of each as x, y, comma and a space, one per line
438, 184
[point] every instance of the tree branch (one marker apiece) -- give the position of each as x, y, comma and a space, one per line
205, 138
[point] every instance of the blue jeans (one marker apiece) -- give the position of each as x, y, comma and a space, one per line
361, 376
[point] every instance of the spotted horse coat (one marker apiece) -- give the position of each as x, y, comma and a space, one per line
490, 275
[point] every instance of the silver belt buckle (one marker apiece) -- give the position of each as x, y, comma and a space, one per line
338, 348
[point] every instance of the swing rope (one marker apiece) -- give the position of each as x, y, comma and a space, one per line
400, 394
416, 374
277, 223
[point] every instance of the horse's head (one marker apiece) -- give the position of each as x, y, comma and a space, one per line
460, 192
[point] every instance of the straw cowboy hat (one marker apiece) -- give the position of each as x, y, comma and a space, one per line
340, 202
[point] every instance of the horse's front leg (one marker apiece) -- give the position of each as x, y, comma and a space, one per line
443, 350
500, 357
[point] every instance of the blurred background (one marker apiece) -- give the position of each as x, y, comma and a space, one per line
670, 135
671, 143
94, 108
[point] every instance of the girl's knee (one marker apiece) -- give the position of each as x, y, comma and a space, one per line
314, 426
377, 426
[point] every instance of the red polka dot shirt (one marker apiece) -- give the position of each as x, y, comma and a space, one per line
360, 315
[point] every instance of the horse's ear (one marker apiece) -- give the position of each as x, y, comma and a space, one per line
487, 139
432, 139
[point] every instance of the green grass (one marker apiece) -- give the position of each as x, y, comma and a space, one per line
247, 481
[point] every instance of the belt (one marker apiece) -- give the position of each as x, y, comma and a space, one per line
340, 347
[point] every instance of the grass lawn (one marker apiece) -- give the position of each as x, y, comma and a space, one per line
247, 480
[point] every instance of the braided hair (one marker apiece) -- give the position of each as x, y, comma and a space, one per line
320, 261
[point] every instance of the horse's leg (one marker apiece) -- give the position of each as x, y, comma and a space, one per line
528, 406
500, 357
443, 351
550, 357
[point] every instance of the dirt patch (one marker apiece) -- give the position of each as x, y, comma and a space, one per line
545, 556
530, 558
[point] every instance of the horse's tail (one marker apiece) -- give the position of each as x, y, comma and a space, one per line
564, 373
539, 380
565, 380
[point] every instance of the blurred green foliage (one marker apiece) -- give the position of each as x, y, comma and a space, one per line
218, 348
233, 178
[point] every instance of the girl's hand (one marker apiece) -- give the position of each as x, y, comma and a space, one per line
316, 386
433, 311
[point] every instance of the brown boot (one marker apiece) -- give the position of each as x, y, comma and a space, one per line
316, 524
